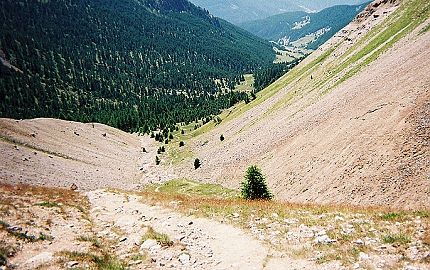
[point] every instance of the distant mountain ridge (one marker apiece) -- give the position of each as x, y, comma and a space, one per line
291, 28
239, 11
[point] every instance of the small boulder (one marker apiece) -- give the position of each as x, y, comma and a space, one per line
184, 258
148, 244
39, 260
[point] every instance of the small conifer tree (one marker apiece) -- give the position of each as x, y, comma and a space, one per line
181, 143
157, 160
221, 138
197, 163
254, 186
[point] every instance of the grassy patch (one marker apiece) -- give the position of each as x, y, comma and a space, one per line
48, 204
161, 238
396, 239
92, 239
57, 195
19, 234
425, 29
101, 262
247, 85
194, 189
392, 216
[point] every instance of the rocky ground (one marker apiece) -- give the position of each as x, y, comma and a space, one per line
44, 228
193, 243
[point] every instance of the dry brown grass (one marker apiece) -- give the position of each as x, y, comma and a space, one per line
48, 196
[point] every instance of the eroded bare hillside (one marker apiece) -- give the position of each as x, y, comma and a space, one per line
61, 153
350, 124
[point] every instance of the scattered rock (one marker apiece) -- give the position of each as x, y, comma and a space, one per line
74, 187
359, 242
39, 260
184, 258
291, 221
71, 264
123, 239
363, 256
338, 218
148, 244
324, 239
130, 263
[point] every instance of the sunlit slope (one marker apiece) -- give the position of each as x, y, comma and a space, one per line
350, 124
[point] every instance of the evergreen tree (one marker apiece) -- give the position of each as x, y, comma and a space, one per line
254, 186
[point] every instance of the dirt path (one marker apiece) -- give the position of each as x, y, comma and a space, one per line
198, 243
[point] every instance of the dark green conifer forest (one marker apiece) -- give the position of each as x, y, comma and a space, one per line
138, 65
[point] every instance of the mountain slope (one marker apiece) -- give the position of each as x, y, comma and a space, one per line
130, 64
287, 28
350, 124
239, 11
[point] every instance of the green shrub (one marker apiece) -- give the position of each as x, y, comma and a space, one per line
254, 186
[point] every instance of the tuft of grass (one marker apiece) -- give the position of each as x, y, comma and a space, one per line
161, 238
6, 251
23, 235
396, 239
425, 29
48, 204
92, 239
102, 262
392, 216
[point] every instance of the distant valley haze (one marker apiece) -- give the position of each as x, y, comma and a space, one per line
239, 11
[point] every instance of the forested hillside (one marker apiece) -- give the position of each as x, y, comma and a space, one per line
135, 65
291, 26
